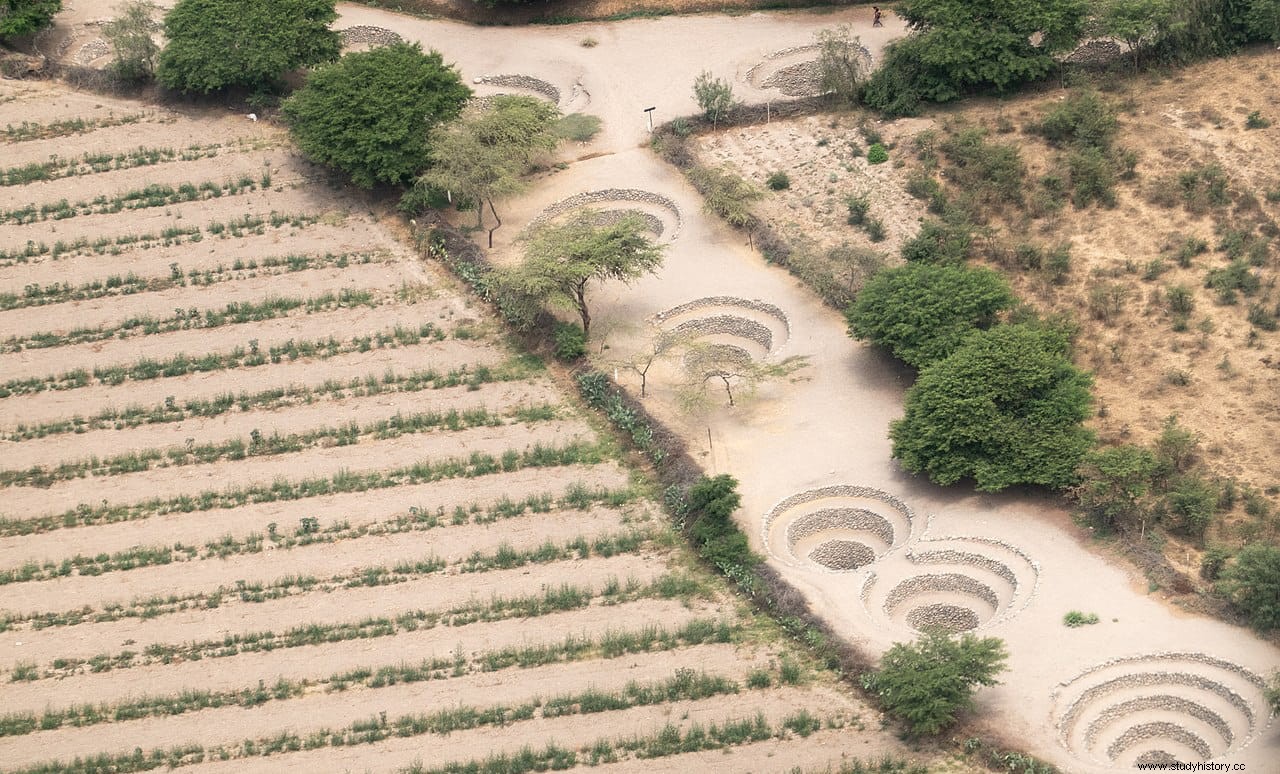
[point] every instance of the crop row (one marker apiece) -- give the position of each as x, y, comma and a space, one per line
260, 445
172, 235
576, 496
29, 130
93, 163
573, 648
671, 740
427, 471
173, 410
234, 313
563, 598
182, 364
116, 285
309, 533
153, 195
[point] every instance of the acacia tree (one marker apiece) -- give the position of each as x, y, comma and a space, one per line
841, 66
130, 36
562, 261
929, 682
484, 156
733, 368
19, 18
1005, 408
219, 44
714, 96
368, 114
923, 312
1114, 485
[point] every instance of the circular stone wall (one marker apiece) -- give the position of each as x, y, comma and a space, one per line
756, 327
1159, 708
794, 71
837, 528
661, 215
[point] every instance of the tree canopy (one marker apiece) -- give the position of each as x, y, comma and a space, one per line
923, 312
1139, 23
483, 156
130, 36
1005, 408
368, 114
1252, 582
219, 44
562, 260
929, 682
19, 18
958, 46
1114, 484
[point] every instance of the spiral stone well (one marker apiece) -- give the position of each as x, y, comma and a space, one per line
837, 528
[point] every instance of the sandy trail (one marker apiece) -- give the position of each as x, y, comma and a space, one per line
443, 356
356, 509
322, 661
433, 593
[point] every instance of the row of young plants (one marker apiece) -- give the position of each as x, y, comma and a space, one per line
260, 445
152, 195
572, 649
32, 130
92, 162
172, 410
551, 599
424, 472
167, 237
234, 313
308, 533
116, 285
670, 741
254, 356
576, 496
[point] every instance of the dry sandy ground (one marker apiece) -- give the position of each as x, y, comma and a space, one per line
1012, 563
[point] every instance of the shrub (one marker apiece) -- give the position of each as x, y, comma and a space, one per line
570, 344
1256, 121
1234, 277
778, 181
1263, 318
1114, 483
25, 17
1082, 119
992, 171
858, 208
1092, 178
578, 127
926, 684
939, 242
1190, 505
1075, 619
877, 154
1215, 558
875, 229
1252, 583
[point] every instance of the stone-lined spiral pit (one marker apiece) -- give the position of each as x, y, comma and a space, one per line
794, 71
756, 327
660, 214
1159, 708
951, 584
90, 52
367, 36
837, 528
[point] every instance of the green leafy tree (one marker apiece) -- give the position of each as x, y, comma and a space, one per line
563, 260
710, 505
958, 46
130, 36
727, 195
1139, 23
841, 65
369, 113
1115, 484
1262, 20
1005, 408
1252, 582
923, 312
219, 44
714, 96
928, 683
19, 18
732, 367
484, 156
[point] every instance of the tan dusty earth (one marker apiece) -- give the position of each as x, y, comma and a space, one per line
1011, 564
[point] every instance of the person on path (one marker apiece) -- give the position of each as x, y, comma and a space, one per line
875, 21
